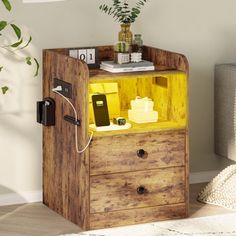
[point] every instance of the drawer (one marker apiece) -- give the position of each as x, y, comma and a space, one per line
133, 152
114, 192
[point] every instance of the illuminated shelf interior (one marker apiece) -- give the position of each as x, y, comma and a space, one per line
168, 90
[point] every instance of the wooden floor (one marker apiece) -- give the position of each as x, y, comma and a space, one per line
37, 220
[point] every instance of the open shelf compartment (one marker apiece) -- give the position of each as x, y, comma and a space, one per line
168, 90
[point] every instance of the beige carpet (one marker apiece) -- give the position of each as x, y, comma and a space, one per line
221, 225
221, 191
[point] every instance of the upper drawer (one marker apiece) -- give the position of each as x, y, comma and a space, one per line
132, 152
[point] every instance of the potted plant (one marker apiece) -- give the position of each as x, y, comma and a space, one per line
125, 15
19, 43
121, 52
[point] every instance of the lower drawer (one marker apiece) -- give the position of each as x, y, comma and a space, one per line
137, 216
137, 189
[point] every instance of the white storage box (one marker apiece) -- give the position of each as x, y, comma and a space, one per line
142, 117
142, 104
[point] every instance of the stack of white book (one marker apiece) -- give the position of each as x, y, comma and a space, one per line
113, 67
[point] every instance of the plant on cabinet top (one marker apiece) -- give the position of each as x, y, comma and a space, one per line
122, 12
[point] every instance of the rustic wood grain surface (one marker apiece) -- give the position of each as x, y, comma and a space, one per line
70, 190
66, 173
118, 153
136, 216
119, 191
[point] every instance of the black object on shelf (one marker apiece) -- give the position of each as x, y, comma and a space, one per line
46, 112
119, 121
72, 120
100, 109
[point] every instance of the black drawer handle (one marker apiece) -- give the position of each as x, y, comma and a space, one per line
141, 190
141, 153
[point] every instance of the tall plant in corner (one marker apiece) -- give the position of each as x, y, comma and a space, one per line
125, 15
19, 43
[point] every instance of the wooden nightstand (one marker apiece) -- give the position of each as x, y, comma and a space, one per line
125, 177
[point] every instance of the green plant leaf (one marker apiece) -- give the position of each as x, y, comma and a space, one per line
28, 61
141, 3
136, 11
37, 67
7, 4
1, 67
121, 11
3, 24
15, 45
17, 30
4, 89
30, 39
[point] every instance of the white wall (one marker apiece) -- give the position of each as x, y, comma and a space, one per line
203, 30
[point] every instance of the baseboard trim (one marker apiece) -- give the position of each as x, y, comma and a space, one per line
36, 196
202, 177
20, 198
